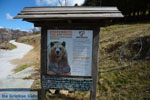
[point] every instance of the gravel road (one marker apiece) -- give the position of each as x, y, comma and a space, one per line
6, 56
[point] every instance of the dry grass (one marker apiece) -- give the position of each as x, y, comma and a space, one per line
31, 59
127, 81
9, 46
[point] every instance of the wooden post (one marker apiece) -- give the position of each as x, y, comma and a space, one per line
43, 58
95, 62
6, 44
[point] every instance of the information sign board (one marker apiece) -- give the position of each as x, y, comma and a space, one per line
69, 52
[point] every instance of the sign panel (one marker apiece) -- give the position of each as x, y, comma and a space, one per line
17, 94
69, 52
71, 84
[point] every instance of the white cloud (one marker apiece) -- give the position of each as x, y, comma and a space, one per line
9, 17
38, 2
46, 2
56, 3
17, 28
73, 2
34, 29
1, 27
25, 30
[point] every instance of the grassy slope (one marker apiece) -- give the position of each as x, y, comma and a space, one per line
32, 59
114, 82
10, 46
133, 80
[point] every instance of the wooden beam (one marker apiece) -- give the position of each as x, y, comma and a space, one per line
43, 57
66, 12
67, 8
95, 62
73, 16
43, 49
76, 24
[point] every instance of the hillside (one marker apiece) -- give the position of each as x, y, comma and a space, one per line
121, 78
10, 34
32, 59
124, 67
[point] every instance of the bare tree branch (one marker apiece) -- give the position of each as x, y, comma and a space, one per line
66, 2
60, 2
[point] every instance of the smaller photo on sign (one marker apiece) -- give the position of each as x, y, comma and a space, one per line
69, 52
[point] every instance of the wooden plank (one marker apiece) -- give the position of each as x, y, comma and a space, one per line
65, 12
68, 16
74, 25
67, 8
95, 62
70, 11
42, 94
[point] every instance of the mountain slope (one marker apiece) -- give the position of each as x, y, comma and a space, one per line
119, 78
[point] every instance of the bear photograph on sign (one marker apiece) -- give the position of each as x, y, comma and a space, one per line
58, 61
69, 52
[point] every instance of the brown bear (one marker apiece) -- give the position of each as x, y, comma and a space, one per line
58, 60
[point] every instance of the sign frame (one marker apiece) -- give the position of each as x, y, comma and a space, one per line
79, 18
96, 30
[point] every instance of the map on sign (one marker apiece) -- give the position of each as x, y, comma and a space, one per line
69, 52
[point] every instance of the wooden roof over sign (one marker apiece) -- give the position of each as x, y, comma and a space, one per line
64, 13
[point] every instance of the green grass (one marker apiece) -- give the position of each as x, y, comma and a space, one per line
59, 97
10, 46
36, 84
33, 40
22, 67
121, 80
126, 81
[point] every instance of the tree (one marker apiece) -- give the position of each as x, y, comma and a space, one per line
130, 8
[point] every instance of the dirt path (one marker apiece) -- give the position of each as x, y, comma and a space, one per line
17, 80
6, 74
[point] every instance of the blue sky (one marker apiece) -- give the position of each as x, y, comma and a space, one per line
10, 8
